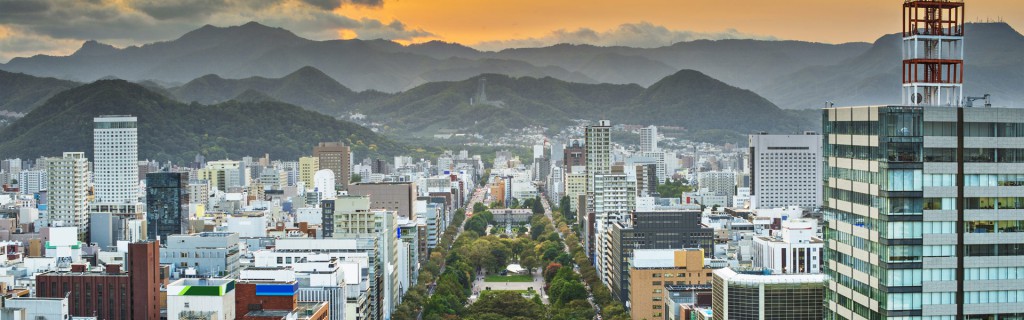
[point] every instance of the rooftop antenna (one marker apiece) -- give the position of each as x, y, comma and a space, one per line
933, 51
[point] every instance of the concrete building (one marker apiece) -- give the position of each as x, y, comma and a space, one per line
308, 166
575, 186
67, 194
759, 295
211, 299
649, 139
395, 196
29, 308
32, 181
793, 249
206, 254
652, 270
512, 216
116, 159
167, 204
337, 157
718, 183
786, 170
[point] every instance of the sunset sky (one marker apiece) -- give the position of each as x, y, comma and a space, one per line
30, 27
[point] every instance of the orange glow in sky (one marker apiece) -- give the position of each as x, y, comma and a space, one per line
832, 21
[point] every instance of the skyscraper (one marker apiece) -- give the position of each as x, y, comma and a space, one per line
785, 170
925, 198
337, 157
67, 191
598, 141
116, 159
167, 200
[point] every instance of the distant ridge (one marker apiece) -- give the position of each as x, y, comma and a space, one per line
170, 130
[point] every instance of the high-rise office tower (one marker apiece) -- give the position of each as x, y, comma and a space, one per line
921, 210
337, 157
574, 154
116, 159
649, 139
785, 170
308, 166
923, 199
67, 192
167, 200
597, 142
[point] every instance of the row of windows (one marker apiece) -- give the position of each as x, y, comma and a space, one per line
1002, 226
994, 203
914, 301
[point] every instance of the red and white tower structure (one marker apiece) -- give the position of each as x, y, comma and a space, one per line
933, 52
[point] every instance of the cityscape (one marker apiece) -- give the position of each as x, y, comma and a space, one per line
380, 172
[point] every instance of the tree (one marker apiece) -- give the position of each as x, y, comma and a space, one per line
714, 208
550, 271
507, 304
356, 178
479, 207
537, 207
564, 290
528, 262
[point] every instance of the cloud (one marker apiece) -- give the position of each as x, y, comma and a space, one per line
60, 26
641, 35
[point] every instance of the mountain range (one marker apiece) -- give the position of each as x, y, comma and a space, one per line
253, 49
171, 130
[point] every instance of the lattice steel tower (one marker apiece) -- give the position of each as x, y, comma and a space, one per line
933, 52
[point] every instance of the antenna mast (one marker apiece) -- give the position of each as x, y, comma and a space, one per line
933, 52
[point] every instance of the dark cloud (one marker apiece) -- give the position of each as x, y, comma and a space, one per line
369, 3
324, 4
640, 35
15, 7
189, 9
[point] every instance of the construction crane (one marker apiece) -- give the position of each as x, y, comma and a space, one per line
969, 101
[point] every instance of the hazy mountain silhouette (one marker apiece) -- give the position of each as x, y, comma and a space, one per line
994, 63
170, 130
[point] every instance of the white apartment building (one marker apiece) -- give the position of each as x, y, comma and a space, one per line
32, 181
68, 188
786, 170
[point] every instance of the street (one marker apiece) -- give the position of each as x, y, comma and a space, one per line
590, 294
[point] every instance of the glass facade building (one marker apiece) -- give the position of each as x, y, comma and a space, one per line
167, 201
924, 213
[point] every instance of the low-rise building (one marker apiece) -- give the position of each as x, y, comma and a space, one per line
212, 299
757, 294
652, 270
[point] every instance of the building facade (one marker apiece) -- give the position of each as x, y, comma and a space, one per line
206, 254
786, 170
653, 270
395, 196
308, 166
67, 195
337, 157
167, 204
659, 229
923, 211
759, 295
116, 159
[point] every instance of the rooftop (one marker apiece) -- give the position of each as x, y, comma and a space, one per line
759, 276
